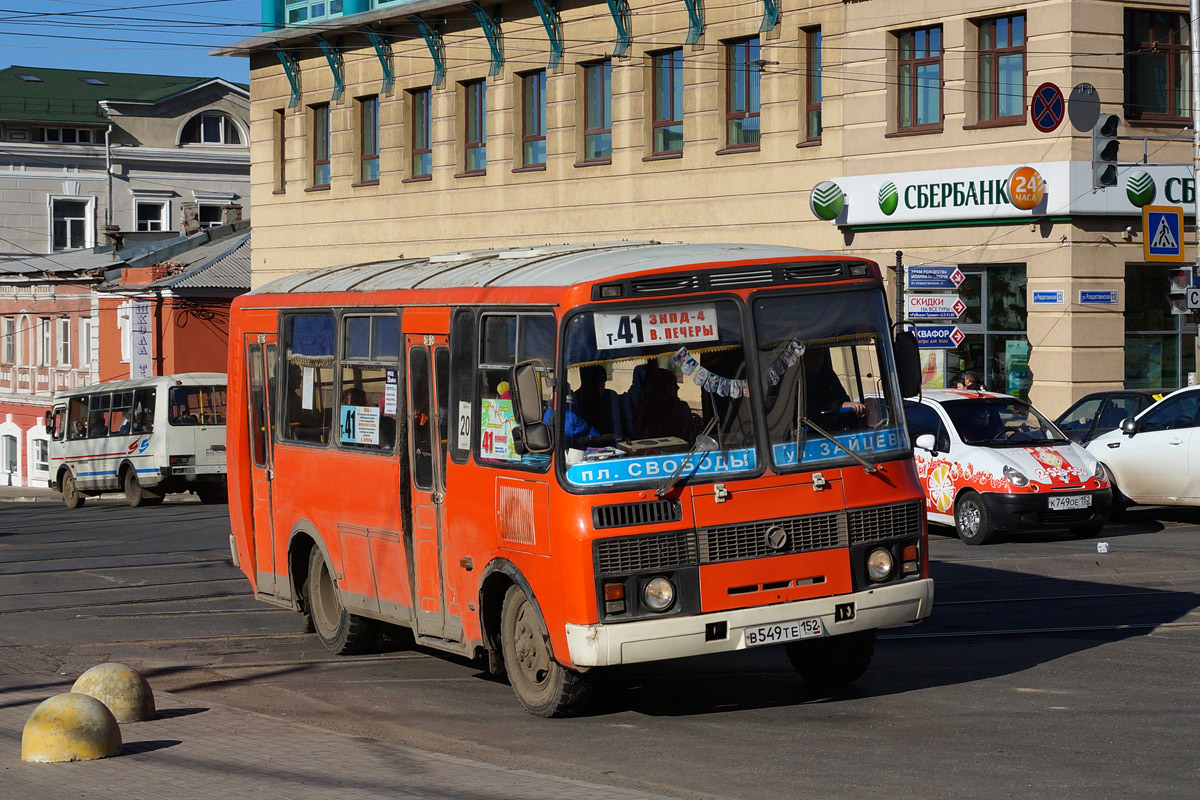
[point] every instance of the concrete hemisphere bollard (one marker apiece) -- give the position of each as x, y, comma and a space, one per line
121, 688
70, 727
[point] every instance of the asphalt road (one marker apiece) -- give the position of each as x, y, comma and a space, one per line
1047, 669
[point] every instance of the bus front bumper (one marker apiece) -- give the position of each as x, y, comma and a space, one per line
677, 637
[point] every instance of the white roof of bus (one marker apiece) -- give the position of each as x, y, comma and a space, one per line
549, 265
186, 378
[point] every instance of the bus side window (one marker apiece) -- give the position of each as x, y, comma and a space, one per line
120, 418
506, 339
370, 382
98, 407
77, 415
143, 411
462, 359
308, 400
60, 426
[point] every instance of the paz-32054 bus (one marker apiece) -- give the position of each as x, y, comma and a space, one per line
557, 459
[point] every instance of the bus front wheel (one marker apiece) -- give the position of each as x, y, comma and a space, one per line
341, 632
542, 685
70, 492
138, 495
833, 660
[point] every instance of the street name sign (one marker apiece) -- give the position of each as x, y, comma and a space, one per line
933, 276
934, 306
1093, 297
1050, 297
1193, 298
1162, 233
937, 337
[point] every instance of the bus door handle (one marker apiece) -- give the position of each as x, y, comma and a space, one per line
270, 474
437, 497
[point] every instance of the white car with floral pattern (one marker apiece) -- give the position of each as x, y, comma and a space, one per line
990, 462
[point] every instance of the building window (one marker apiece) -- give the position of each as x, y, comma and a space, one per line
475, 132
85, 342
208, 215
533, 118
742, 103
45, 341
422, 129
368, 141
8, 344
995, 345
1160, 342
41, 455
151, 216
210, 127
1158, 74
668, 102
279, 117
597, 124
67, 136
1002, 69
320, 148
812, 84
8, 454
70, 224
919, 71
305, 10
64, 342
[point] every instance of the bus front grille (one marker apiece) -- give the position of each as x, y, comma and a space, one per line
772, 537
809, 533
884, 522
625, 515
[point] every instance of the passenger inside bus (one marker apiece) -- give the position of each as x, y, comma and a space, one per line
823, 390
599, 407
660, 413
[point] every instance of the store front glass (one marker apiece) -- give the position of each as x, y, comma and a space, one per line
995, 346
1160, 344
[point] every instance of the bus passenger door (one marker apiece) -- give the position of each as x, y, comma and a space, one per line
261, 358
428, 384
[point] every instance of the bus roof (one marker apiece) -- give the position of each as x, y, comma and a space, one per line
549, 265
184, 378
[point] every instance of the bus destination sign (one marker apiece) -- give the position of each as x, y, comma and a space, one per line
666, 326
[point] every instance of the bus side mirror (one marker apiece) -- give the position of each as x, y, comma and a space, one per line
908, 363
48, 422
527, 403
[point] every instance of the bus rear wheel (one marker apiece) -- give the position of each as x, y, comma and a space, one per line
833, 660
138, 495
341, 632
70, 492
542, 685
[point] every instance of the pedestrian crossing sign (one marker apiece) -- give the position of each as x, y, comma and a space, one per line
1162, 233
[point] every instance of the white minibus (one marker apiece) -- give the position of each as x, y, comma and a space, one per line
146, 436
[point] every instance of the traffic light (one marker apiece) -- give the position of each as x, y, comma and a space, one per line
1104, 151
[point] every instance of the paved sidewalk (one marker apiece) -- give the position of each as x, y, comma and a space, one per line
197, 752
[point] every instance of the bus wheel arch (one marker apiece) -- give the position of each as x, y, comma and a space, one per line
136, 494
342, 632
300, 546
72, 497
497, 577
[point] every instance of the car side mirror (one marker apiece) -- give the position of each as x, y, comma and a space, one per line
1129, 426
534, 434
927, 441
908, 363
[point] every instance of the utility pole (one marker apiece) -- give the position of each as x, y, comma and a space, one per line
900, 275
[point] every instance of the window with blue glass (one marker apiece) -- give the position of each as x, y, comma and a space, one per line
1002, 69
668, 102
919, 77
300, 11
743, 64
597, 92
320, 146
475, 133
533, 119
368, 145
422, 128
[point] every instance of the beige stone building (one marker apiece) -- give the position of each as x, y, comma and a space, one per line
422, 126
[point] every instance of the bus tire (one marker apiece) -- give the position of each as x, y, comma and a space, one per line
212, 495
341, 632
136, 494
833, 660
71, 495
542, 685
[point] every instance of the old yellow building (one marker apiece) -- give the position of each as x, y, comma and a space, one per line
422, 126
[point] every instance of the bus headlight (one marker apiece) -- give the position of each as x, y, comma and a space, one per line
658, 594
879, 564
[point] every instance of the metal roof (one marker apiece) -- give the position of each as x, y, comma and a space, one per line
550, 265
223, 264
185, 378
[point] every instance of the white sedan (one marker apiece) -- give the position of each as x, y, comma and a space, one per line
1154, 458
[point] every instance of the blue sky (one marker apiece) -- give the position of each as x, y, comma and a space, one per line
169, 37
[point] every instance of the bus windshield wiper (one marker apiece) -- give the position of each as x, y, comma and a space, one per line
866, 465
703, 442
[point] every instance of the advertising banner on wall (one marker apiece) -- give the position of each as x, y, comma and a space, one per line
141, 345
1006, 191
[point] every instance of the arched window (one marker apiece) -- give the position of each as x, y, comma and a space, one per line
211, 127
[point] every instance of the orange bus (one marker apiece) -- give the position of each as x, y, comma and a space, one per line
557, 459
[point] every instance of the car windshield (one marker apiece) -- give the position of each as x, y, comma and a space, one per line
1001, 422
643, 382
826, 378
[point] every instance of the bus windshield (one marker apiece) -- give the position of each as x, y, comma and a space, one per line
825, 378
643, 382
